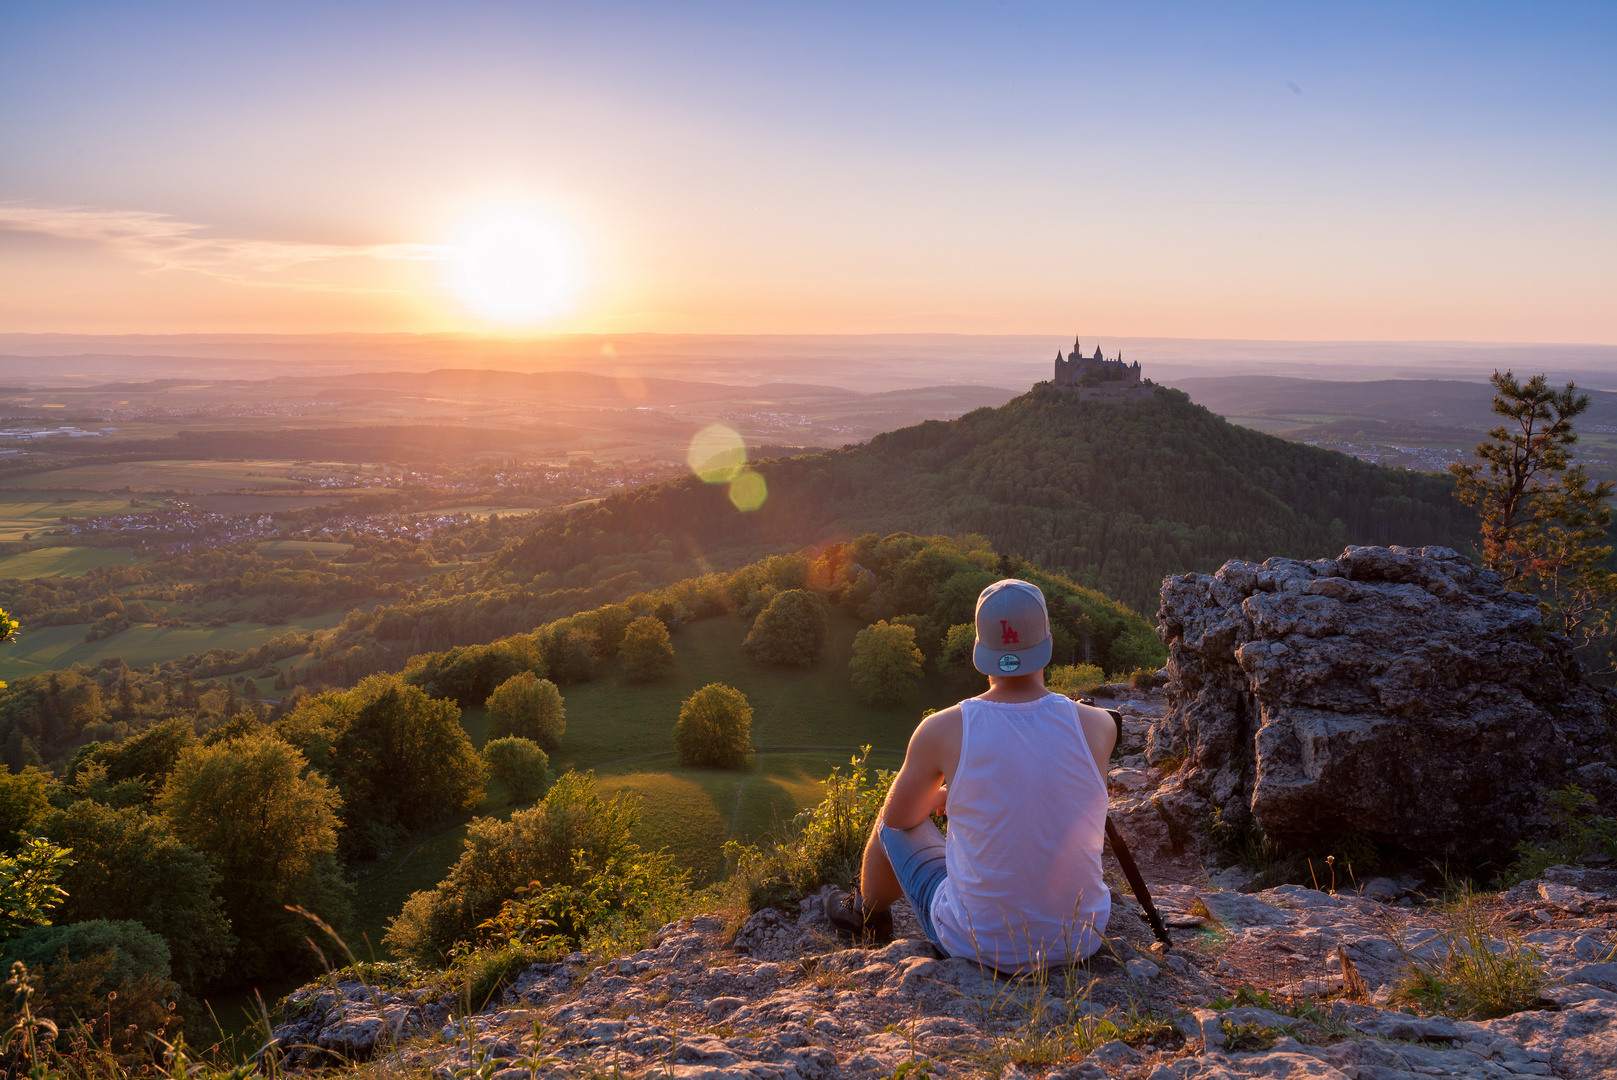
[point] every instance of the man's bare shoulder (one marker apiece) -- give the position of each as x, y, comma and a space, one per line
945, 724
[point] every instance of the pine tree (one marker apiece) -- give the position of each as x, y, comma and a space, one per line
1543, 519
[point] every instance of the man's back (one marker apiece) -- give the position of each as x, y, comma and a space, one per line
1027, 812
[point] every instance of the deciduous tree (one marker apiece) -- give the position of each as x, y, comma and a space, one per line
791, 629
714, 728
129, 864
886, 664
519, 766
269, 828
530, 707
647, 652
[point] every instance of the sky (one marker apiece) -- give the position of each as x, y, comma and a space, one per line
1260, 171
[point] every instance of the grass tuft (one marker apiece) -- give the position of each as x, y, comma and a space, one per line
1486, 971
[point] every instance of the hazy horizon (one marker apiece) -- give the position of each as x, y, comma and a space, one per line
873, 362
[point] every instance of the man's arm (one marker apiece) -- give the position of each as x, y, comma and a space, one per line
918, 788
1100, 732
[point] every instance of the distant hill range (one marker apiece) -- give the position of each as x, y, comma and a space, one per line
1116, 495
1433, 403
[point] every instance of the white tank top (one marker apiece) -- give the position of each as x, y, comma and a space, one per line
1027, 814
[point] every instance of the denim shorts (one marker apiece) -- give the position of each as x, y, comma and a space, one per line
918, 862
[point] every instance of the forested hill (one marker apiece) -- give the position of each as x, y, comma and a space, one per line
1118, 495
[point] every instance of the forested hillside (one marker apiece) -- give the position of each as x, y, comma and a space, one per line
1116, 495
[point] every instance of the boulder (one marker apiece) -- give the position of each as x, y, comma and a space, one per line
1399, 693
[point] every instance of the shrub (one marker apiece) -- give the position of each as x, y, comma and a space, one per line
714, 728
106, 981
647, 653
136, 950
886, 664
520, 767
791, 629
1073, 679
529, 707
552, 843
22, 805
823, 845
1579, 832
28, 889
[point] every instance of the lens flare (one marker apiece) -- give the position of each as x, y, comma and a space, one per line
717, 454
748, 491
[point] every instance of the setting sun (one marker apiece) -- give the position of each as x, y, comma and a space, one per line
513, 268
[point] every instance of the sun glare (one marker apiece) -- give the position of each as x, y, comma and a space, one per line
513, 268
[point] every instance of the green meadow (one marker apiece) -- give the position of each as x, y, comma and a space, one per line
291, 549
61, 561
806, 720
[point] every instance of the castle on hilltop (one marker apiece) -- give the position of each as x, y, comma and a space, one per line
1077, 370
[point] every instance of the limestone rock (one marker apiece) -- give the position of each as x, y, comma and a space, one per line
1401, 693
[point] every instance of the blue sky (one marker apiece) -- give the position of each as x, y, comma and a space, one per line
1282, 170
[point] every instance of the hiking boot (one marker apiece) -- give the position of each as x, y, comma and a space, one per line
845, 912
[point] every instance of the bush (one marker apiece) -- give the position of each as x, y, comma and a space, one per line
647, 653
714, 728
1579, 832
823, 845
791, 629
1073, 679
28, 888
520, 767
499, 858
108, 981
136, 950
528, 707
886, 664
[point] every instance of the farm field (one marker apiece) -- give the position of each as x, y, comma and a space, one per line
291, 549
484, 510
55, 647
31, 511
61, 561
199, 477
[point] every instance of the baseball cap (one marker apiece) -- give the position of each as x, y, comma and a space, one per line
1013, 629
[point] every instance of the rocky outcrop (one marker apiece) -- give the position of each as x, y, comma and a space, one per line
1259, 990
1399, 693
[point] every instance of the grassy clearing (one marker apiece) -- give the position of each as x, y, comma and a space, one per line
691, 812
61, 561
291, 549
54, 647
611, 719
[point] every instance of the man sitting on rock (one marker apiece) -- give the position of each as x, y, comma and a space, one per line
1021, 772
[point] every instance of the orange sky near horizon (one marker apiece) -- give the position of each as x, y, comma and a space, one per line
1255, 173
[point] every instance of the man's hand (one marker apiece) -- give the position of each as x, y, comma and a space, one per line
941, 806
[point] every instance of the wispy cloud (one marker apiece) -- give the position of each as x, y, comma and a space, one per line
162, 242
